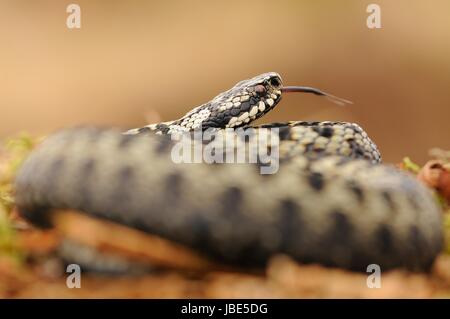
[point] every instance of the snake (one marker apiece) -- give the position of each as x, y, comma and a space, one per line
331, 201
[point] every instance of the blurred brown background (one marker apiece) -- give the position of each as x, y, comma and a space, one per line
133, 61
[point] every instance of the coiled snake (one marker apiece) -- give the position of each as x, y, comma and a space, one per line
330, 202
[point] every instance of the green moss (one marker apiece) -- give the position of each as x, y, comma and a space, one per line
410, 165
447, 231
14, 152
8, 244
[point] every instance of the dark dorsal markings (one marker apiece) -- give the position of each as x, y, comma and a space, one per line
341, 230
124, 186
325, 131
199, 227
163, 144
307, 123
285, 133
173, 186
126, 140
357, 149
52, 173
164, 128
341, 221
84, 186
290, 223
383, 239
316, 181
413, 200
144, 130
357, 191
232, 200
120, 195
212, 122
274, 125
235, 111
387, 197
245, 106
126, 173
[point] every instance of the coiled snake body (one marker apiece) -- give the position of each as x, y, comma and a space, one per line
330, 202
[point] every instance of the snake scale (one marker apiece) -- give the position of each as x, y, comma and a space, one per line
331, 201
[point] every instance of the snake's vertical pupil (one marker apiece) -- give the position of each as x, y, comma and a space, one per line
275, 82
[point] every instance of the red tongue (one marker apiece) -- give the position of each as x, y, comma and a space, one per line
306, 89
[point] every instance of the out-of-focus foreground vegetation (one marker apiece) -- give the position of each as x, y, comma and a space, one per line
14, 151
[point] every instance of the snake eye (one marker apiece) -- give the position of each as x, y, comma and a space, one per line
276, 83
260, 89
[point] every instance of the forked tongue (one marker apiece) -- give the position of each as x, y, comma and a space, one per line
306, 89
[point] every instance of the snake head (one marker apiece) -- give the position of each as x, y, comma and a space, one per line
248, 100
240, 105
245, 102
